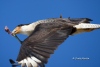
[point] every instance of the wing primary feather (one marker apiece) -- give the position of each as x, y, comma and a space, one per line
46, 47
38, 56
42, 65
26, 62
35, 59
33, 63
44, 41
41, 53
44, 50
14, 64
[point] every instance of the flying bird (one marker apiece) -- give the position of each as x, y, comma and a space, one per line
44, 36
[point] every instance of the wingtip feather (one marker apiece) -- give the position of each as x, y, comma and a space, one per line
11, 61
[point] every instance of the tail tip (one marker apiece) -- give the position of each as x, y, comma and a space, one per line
89, 19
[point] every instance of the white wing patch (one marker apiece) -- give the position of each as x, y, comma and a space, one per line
29, 62
35, 59
32, 62
23, 64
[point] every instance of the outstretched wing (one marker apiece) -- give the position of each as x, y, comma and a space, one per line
36, 49
43, 41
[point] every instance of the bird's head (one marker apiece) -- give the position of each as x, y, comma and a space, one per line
17, 30
22, 29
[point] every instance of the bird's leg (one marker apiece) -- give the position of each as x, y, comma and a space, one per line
18, 38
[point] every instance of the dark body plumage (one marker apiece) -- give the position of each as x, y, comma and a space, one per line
47, 36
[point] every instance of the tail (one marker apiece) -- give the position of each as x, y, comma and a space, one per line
87, 26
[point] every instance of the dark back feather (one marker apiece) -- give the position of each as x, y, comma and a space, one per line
44, 40
47, 37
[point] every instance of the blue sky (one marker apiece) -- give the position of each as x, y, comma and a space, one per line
14, 12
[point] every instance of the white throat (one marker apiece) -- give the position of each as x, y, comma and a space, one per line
27, 29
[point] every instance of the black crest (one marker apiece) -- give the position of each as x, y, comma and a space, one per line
22, 25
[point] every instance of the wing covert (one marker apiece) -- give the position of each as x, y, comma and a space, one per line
46, 37
44, 40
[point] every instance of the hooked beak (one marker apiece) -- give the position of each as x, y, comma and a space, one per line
13, 33
16, 31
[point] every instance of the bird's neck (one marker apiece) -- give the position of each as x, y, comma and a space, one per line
27, 29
